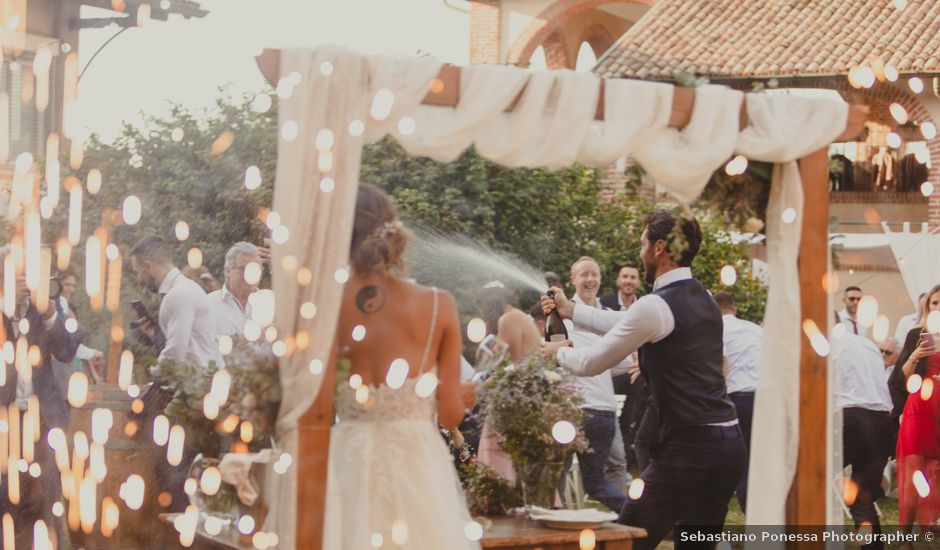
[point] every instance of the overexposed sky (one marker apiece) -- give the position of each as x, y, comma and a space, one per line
185, 61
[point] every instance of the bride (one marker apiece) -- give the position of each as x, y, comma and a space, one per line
391, 481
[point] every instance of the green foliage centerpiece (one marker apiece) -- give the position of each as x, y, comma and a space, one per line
250, 407
230, 409
536, 413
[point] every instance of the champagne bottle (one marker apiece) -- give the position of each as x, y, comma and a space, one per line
555, 330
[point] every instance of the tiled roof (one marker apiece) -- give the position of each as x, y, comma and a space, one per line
766, 38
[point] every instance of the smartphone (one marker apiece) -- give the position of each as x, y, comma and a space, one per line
928, 337
141, 310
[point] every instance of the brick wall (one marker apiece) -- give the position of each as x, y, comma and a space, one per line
484, 31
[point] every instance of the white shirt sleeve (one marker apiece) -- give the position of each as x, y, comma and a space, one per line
647, 320
85, 353
592, 319
49, 323
180, 314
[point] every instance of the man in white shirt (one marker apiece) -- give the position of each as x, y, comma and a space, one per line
189, 326
186, 318
230, 302
863, 397
699, 456
909, 321
599, 408
849, 314
743, 341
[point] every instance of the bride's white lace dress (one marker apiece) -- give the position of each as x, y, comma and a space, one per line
392, 482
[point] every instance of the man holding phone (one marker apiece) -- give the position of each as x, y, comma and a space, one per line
186, 318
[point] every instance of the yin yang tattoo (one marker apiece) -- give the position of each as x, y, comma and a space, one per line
370, 299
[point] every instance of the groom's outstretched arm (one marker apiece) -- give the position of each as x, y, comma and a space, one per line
598, 321
648, 320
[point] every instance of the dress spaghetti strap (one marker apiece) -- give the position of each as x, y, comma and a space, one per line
427, 346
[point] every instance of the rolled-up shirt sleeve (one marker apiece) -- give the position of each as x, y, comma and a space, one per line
647, 320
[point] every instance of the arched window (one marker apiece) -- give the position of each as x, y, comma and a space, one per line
586, 58
537, 61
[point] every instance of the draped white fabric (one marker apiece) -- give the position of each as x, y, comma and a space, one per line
552, 125
781, 128
918, 257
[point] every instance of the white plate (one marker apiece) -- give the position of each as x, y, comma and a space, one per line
574, 525
571, 519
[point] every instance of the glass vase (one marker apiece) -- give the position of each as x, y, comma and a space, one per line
538, 480
223, 503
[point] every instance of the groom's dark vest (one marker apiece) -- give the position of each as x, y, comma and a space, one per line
684, 369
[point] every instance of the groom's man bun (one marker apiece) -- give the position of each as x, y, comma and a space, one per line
682, 234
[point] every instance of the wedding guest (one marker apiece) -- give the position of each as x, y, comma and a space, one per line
86, 358
188, 323
230, 303
599, 406
30, 497
700, 453
633, 388
402, 478
186, 318
909, 321
743, 341
515, 328
628, 281
889, 349
862, 396
918, 439
848, 316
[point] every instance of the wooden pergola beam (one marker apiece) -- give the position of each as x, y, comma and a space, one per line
806, 504
445, 92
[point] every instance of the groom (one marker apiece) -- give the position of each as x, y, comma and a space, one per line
699, 457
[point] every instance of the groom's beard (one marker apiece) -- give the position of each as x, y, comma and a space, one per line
649, 275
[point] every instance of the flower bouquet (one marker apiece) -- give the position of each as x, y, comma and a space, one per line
536, 413
232, 409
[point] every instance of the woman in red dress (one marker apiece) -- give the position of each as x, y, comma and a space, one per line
918, 447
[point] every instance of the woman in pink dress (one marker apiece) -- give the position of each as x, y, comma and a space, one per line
518, 331
918, 446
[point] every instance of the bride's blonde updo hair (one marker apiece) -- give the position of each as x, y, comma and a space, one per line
379, 238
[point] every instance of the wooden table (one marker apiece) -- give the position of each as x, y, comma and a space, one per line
506, 533
519, 533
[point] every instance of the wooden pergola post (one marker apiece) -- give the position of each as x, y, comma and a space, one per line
805, 505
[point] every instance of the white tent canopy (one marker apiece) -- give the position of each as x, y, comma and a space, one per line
918, 257
339, 100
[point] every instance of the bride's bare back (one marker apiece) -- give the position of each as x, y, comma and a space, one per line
397, 320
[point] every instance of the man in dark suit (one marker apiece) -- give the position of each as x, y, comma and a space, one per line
628, 281
30, 390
